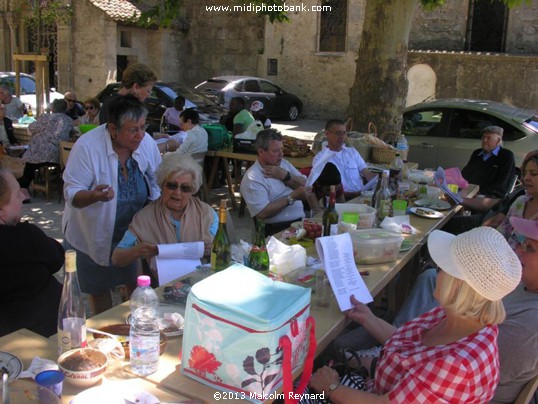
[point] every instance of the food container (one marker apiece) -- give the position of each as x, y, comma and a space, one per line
374, 246
122, 330
83, 367
366, 213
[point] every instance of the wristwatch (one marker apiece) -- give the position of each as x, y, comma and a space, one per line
291, 201
332, 388
287, 177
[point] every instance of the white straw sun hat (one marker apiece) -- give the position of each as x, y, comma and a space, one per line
481, 257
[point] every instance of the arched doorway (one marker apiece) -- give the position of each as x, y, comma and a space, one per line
422, 82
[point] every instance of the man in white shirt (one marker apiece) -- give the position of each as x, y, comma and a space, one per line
352, 167
15, 108
272, 187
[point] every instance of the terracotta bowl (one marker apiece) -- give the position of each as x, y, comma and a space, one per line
83, 367
123, 330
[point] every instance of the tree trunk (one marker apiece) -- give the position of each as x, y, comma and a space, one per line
380, 88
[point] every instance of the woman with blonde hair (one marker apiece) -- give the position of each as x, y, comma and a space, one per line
448, 354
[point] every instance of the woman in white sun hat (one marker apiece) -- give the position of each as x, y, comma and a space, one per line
448, 354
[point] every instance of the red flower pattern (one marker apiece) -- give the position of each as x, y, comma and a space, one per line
202, 361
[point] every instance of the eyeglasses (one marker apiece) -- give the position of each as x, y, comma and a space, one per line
184, 188
136, 129
69, 100
87, 107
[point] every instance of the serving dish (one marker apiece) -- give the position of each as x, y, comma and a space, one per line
436, 204
122, 330
426, 212
10, 364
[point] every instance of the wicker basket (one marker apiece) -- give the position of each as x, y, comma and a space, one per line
383, 155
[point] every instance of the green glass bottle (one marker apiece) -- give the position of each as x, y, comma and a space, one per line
220, 250
330, 216
258, 257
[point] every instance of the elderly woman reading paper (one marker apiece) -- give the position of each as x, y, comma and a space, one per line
448, 354
175, 217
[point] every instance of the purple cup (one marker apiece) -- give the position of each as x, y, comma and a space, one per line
51, 380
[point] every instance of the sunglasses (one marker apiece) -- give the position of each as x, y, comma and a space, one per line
184, 188
68, 100
89, 107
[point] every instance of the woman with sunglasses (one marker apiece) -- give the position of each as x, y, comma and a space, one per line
91, 115
175, 217
110, 176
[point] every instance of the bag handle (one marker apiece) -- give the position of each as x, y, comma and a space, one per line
371, 126
286, 346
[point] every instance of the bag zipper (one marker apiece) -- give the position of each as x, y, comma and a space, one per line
292, 321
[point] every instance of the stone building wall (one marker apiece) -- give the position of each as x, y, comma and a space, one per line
522, 32
219, 43
510, 79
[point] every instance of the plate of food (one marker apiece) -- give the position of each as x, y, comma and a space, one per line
407, 244
436, 204
10, 364
170, 318
426, 212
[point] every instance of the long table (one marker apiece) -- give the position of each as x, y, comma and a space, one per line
330, 322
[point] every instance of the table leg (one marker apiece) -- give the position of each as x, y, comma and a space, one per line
213, 173
230, 183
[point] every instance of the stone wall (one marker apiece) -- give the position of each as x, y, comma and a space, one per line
522, 32
219, 43
498, 77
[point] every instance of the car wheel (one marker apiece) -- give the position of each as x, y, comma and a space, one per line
293, 113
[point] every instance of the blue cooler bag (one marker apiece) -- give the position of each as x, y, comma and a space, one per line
247, 334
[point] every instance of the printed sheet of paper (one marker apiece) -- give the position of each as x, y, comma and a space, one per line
336, 254
176, 260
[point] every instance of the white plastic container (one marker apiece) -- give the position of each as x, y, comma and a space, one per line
366, 213
374, 246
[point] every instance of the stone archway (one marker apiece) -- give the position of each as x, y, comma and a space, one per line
422, 82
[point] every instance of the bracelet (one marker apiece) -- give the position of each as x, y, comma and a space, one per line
287, 177
332, 389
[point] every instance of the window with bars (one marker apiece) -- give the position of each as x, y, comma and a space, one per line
333, 26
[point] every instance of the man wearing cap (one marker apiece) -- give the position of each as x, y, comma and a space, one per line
352, 167
492, 167
256, 109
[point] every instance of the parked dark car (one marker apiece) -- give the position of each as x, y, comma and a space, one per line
277, 103
445, 132
163, 96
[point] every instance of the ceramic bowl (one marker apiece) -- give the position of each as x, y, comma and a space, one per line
83, 367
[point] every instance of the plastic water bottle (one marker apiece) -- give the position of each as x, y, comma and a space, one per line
402, 146
144, 295
144, 341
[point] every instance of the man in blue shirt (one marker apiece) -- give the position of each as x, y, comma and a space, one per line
492, 167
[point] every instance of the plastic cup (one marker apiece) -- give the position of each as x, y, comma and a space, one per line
350, 217
366, 197
52, 380
323, 290
453, 188
399, 207
433, 192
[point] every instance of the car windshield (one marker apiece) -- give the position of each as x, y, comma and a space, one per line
192, 95
532, 123
27, 84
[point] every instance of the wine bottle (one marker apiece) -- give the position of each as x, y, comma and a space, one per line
383, 198
330, 215
220, 250
71, 314
258, 256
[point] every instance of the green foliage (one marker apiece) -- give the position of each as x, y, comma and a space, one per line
161, 14
431, 4
45, 12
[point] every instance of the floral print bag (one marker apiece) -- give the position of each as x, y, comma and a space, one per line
245, 333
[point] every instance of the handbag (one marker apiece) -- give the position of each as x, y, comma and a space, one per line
245, 333
218, 136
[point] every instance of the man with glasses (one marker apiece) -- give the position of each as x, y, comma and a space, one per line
352, 167
272, 187
74, 108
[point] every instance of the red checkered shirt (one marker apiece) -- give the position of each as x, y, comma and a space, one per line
466, 371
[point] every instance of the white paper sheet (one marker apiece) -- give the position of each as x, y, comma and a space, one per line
336, 253
176, 260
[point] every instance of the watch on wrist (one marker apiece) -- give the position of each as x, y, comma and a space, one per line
287, 177
291, 201
332, 388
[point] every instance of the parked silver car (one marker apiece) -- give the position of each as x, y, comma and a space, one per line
444, 132
28, 88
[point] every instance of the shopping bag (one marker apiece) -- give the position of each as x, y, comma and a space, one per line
218, 136
247, 334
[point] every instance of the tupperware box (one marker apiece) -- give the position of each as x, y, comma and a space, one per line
374, 246
366, 213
